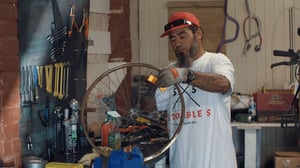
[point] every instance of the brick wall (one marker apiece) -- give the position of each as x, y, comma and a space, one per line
9, 85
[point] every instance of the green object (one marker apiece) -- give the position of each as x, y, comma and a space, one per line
114, 137
240, 117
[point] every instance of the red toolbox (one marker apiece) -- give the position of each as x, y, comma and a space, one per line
271, 105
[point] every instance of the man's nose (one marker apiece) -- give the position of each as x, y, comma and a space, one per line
177, 43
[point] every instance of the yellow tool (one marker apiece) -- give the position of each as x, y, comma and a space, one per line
61, 71
49, 73
40, 76
56, 78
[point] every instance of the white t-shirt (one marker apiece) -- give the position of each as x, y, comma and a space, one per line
205, 140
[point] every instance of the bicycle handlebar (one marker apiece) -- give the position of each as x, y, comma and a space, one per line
289, 53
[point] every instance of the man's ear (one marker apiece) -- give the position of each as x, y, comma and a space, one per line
199, 34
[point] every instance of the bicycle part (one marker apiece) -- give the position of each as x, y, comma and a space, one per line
294, 57
289, 53
125, 89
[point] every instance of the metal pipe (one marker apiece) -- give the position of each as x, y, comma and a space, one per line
291, 39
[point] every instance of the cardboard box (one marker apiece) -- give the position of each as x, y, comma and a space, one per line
270, 106
287, 159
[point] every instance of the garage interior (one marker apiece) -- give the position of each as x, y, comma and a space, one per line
80, 41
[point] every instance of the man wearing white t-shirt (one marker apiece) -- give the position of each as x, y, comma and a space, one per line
205, 140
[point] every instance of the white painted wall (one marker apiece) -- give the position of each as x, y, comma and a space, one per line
99, 50
98, 53
252, 70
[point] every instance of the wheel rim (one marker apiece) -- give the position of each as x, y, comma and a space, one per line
122, 89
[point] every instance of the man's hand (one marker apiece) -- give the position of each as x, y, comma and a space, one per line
171, 76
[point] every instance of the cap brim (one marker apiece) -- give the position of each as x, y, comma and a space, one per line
173, 28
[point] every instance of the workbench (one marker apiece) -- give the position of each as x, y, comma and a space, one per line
251, 130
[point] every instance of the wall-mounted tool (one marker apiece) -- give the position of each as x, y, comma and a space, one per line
29, 142
66, 80
61, 78
27, 86
72, 21
44, 116
56, 79
73, 24
227, 17
57, 38
84, 27
35, 83
40, 76
250, 35
23, 85
57, 35
49, 74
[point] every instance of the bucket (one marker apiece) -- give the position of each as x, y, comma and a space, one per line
34, 162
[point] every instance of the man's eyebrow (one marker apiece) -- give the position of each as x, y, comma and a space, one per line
179, 33
182, 32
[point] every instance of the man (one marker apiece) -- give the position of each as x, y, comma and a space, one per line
207, 79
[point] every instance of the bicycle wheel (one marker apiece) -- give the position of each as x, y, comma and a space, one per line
127, 90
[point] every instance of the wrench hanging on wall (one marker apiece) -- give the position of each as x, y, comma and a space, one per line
48, 74
57, 38
61, 78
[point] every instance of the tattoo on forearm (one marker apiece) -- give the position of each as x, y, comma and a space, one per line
213, 83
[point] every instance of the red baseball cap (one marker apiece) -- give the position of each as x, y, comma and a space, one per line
180, 20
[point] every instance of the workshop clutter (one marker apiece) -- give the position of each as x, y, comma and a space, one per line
53, 78
53, 45
114, 145
272, 104
49, 98
248, 114
67, 130
240, 107
121, 159
124, 158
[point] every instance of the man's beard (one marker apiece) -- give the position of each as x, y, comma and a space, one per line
187, 60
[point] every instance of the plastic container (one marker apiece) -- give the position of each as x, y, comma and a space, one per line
252, 107
105, 130
97, 163
114, 138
